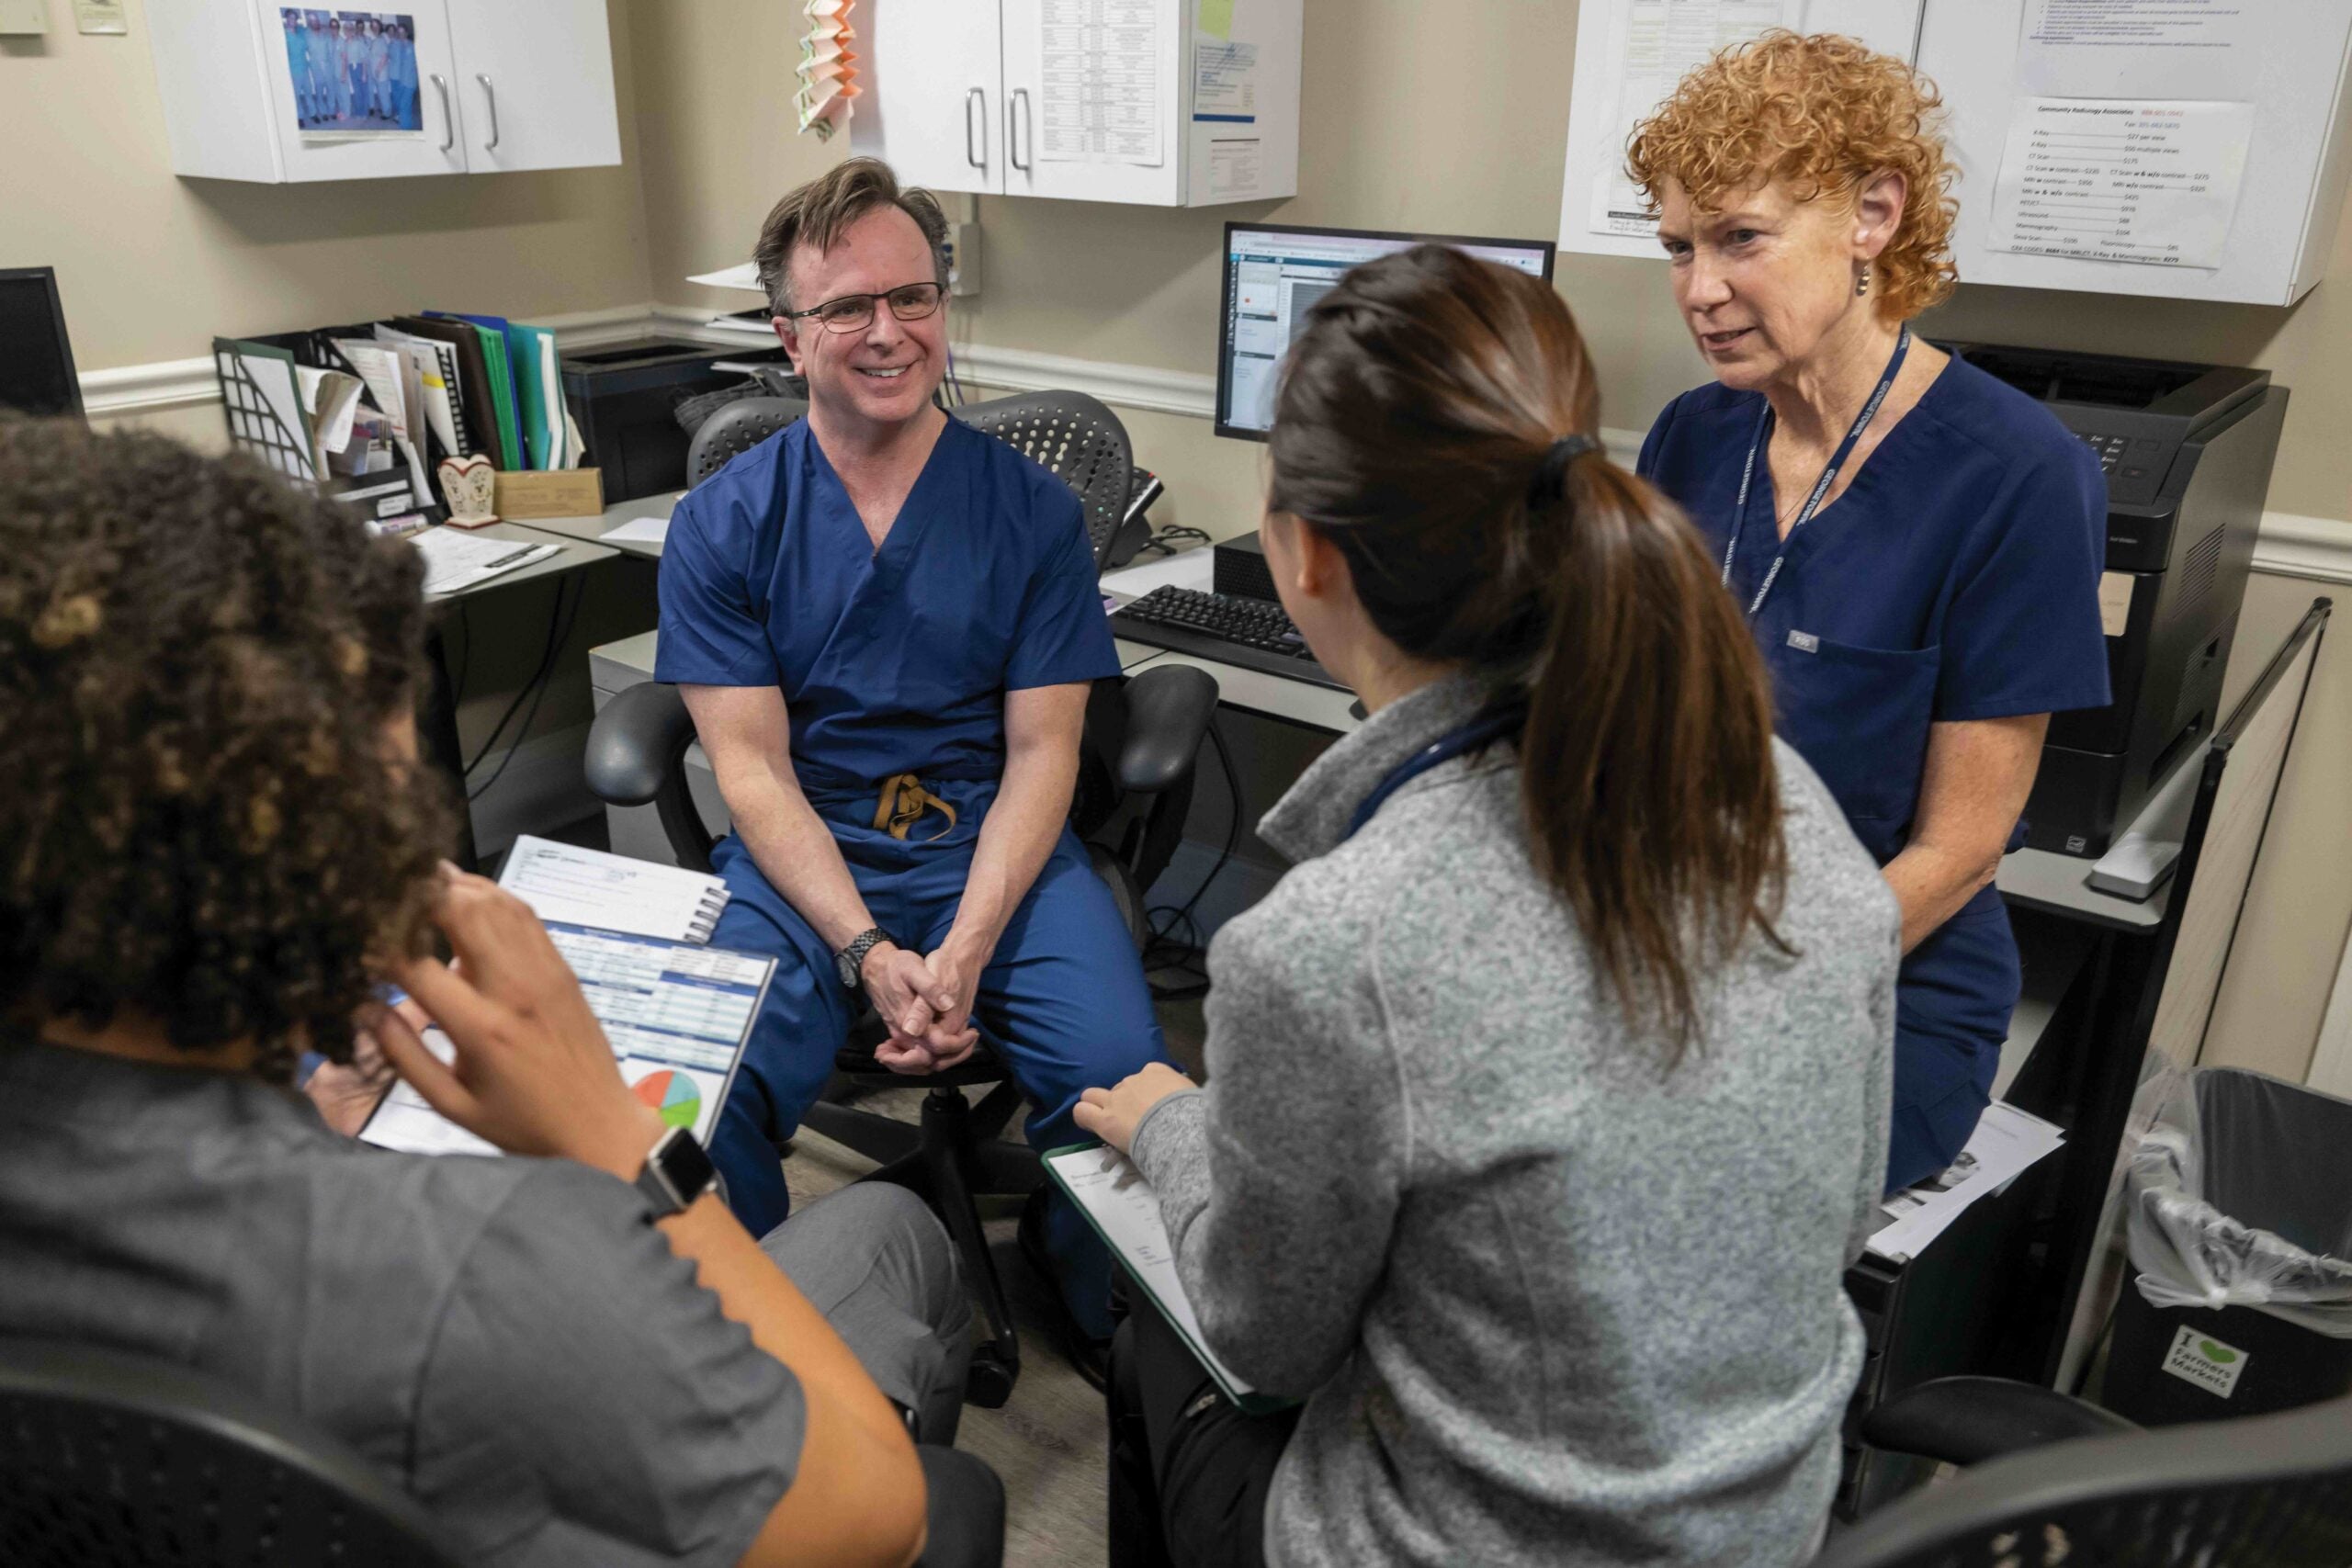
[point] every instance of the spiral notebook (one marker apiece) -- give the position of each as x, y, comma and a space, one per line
568, 886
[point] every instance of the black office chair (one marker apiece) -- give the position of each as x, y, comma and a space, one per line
1142, 740
734, 429
109, 1459
2053, 1481
1075, 435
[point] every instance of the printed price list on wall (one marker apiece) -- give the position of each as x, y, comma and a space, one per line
2116, 180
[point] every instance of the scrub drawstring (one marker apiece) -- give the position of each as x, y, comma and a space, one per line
903, 803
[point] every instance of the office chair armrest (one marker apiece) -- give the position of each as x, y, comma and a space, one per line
1967, 1420
636, 743
636, 753
1168, 709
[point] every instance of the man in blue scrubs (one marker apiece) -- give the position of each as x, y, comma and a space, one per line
886, 625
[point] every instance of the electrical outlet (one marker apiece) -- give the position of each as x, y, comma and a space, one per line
963, 259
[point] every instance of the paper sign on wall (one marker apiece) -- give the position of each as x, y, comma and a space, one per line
2154, 183
1652, 45
1097, 73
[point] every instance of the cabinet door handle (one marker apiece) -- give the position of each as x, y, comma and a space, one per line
489, 96
448, 120
1027, 137
978, 160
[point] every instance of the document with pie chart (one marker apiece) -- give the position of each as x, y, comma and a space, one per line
677, 1015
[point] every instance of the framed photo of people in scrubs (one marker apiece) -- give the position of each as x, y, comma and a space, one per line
352, 74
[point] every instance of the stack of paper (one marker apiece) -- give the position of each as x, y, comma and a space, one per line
570, 885
2006, 1142
455, 558
828, 69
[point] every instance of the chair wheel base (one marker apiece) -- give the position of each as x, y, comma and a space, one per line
988, 1383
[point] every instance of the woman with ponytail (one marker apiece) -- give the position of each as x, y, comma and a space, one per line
1547, 1095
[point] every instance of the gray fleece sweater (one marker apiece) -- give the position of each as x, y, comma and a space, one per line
1551, 1302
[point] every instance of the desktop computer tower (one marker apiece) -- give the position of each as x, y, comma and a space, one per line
2188, 452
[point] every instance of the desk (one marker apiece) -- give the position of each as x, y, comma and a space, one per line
1253, 690
437, 721
592, 530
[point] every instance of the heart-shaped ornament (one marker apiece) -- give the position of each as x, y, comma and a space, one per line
468, 485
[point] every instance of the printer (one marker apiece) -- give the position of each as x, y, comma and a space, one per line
2188, 450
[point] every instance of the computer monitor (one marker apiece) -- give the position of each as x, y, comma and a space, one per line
36, 362
1273, 272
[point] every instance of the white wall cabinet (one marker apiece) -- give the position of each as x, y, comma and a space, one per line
1091, 100
502, 86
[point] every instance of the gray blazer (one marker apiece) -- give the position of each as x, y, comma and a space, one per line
1551, 1302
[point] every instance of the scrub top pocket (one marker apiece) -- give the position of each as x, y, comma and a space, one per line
1860, 716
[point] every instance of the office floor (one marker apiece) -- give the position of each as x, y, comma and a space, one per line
1049, 1441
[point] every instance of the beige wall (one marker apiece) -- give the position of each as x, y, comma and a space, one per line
151, 266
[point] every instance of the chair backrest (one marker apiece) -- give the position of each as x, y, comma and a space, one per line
109, 1460
2266, 1492
1082, 441
736, 429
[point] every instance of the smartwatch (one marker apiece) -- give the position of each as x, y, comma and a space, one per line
676, 1173
850, 963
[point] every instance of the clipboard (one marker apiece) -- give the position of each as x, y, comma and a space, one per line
1119, 1203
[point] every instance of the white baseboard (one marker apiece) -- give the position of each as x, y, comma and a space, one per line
2290, 545
543, 787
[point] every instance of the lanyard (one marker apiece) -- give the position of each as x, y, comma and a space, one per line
1487, 728
1821, 486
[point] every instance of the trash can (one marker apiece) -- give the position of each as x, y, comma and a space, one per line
2240, 1205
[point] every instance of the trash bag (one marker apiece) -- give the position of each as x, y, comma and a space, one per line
2241, 1195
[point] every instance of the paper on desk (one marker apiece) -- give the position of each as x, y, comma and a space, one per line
455, 558
2144, 181
388, 373
746, 277
1123, 1206
641, 531
571, 885
330, 399
2006, 1142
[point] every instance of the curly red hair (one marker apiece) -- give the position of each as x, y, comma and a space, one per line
1822, 114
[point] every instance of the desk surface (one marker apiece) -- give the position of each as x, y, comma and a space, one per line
571, 557
592, 530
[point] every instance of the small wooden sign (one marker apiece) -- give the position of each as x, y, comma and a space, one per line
551, 492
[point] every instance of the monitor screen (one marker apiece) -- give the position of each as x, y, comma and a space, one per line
36, 362
1274, 274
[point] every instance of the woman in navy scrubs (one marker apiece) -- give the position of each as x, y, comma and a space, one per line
1916, 546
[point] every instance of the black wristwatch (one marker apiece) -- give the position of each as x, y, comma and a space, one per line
850, 963
676, 1173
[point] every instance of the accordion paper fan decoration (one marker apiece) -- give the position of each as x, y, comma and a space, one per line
828, 69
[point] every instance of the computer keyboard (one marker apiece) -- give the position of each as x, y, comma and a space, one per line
1252, 633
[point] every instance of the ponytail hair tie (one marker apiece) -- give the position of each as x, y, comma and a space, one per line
1552, 473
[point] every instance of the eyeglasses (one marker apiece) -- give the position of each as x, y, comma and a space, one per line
851, 313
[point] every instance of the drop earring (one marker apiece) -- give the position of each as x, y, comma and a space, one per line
1862, 281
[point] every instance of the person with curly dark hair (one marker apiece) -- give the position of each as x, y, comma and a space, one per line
216, 844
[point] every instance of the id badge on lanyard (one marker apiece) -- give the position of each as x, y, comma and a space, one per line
1820, 486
